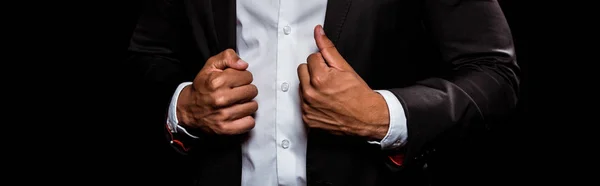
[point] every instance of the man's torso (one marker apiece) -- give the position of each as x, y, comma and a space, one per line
385, 43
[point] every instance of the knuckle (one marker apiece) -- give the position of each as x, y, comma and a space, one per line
212, 59
227, 130
319, 55
317, 81
219, 127
224, 115
229, 54
309, 95
229, 51
310, 57
305, 95
314, 56
305, 107
220, 100
216, 83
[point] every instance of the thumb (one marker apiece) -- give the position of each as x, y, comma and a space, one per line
331, 55
229, 59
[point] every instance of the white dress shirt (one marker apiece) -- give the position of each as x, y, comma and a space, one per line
274, 37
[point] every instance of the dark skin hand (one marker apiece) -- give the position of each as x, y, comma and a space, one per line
335, 98
220, 99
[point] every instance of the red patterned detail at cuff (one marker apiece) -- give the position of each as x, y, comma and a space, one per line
175, 142
180, 145
397, 159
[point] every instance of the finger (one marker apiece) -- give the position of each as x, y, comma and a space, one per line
330, 53
304, 107
235, 78
316, 65
241, 94
229, 59
238, 111
301, 94
304, 76
238, 126
315, 114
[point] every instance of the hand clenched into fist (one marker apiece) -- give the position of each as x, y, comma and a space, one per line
220, 100
335, 98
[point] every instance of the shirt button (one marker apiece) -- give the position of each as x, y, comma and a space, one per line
285, 86
285, 144
287, 30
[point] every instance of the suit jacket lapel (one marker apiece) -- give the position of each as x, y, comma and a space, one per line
217, 22
224, 21
334, 20
335, 17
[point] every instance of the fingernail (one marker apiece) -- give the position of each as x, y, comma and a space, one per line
241, 62
321, 31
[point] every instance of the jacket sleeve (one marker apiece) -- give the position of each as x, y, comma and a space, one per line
156, 64
475, 40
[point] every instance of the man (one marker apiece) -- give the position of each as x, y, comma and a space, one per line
386, 92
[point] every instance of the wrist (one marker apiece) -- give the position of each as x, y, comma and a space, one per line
185, 98
379, 117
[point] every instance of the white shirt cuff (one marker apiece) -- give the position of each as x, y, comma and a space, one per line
172, 115
397, 131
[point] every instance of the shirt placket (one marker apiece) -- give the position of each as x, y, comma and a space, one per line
285, 161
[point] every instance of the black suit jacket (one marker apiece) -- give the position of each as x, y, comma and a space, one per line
451, 63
